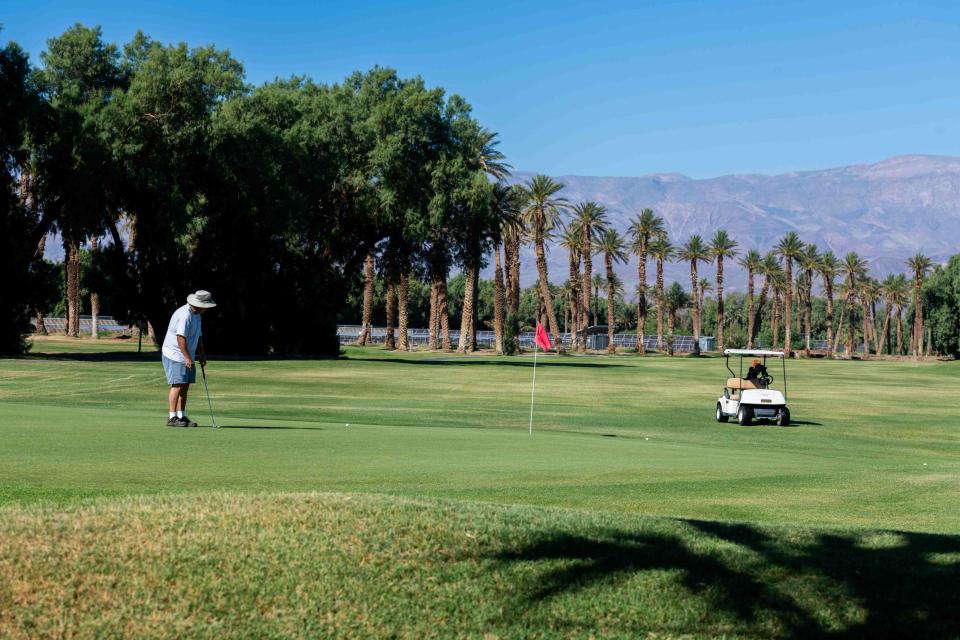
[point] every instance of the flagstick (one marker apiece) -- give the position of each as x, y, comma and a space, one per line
533, 387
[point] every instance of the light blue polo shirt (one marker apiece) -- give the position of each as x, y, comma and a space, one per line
182, 323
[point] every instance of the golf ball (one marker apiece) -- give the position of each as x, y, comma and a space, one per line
347, 425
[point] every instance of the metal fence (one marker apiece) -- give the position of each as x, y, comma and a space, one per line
104, 323
349, 334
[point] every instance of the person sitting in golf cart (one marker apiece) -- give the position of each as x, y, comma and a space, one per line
757, 374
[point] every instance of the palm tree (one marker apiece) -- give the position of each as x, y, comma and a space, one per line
695, 251
853, 268
542, 215
872, 292
770, 268
674, 300
367, 298
901, 297
572, 240
809, 260
721, 246
506, 206
920, 266
889, 288
778, 284
646, 226
614, 249
662, 250
390, 342
704, 286
597, 282
790, 247
828, 267
752, 262
591, 219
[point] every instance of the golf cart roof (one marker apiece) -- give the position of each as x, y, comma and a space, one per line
753, 352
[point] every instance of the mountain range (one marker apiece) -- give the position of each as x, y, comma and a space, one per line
886, 211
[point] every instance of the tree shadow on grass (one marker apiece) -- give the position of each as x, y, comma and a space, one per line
834, 585
559, 362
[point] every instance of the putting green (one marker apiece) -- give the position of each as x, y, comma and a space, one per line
875, 443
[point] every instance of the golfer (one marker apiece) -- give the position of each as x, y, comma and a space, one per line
184, 335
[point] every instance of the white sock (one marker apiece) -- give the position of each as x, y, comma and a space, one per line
173, 414
179, 414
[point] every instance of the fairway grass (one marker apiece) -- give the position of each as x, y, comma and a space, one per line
628, 512
227, 565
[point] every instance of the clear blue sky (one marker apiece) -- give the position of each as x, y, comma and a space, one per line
601, 88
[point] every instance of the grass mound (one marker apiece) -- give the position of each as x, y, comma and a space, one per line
321, 565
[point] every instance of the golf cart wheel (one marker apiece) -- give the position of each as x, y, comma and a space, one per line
783, 417
720, 416
744, 416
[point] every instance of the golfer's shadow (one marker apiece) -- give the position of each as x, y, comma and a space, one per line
261, 426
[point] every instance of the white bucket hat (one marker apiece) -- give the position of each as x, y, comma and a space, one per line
201, 299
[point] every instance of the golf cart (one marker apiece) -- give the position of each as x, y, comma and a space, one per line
752, 398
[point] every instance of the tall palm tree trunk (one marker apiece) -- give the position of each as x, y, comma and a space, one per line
498, 301
884, 335
775, 318
917, 340
788, 307
761, 304
585, 291
403, 317
94, 297
850, 334
750, 318
574, 299
865, 322
836, 341
720, 303
41, 325
611, 348
659, 301
899, 331
390, 342
828, 290
475, 320
515, 276
433, 322
444, 315
72, 263
694, 279
808, 310
545, 290
367, 299
641, 297
466, 316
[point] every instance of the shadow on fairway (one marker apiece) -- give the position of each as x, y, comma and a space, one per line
905, 585
251, 426
496, 363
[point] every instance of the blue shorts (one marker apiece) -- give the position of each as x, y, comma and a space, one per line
177, 372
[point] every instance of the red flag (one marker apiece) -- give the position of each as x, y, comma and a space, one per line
542, 339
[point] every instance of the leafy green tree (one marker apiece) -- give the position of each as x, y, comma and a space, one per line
20, 109
941, 301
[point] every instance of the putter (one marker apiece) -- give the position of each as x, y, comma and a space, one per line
206, 389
